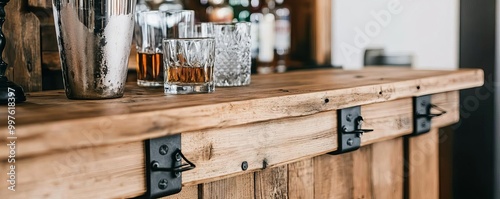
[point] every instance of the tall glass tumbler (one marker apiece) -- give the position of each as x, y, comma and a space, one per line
94, 39
151, 28
232, 54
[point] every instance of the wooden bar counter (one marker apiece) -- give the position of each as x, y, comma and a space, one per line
282, 125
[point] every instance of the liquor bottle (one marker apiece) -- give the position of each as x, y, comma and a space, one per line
170, 5
142, 6
266, 40
282, 34
255, 17
240, 8
219, 11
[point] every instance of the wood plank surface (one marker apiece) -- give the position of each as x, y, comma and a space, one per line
450, 102
272, 183
422, 177
218, 153
49, 122
374, 171
190, 192
333, 176
301, 179
387, 169
241, 187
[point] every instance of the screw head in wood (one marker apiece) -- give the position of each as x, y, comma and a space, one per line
163, 184
424, 124
349, 117
350, 142
244, 165
163, 149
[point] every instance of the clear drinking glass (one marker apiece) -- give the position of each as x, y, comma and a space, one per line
232, 54
189, 65
151, 27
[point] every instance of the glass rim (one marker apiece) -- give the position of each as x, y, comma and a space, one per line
147, 12
229, 23
189, 38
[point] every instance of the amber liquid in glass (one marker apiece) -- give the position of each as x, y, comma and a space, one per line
189, 74
150, 69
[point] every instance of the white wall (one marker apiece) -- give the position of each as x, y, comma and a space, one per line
428, 29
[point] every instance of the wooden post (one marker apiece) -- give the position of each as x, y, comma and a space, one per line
22, 52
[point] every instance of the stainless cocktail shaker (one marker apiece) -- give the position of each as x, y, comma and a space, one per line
94, 40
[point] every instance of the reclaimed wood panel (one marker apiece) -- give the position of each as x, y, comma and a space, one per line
272, 183
22, 52
386, 120
333, 176
374, 171
422, 175
241, 187
218, 153
57, 123
361, 173
387, 169
301, 179
450, 102
190, 192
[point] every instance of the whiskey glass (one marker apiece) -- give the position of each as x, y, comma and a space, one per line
151, 27
232, 54
189, 65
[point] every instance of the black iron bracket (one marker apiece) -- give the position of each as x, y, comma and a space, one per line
349, 130
164, 166
422, 114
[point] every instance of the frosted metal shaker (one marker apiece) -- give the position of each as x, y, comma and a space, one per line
94, 39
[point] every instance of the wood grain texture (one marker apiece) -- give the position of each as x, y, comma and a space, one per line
272, 183
110, 171
450, 102
322, 31
387, 169
40, 3
190, 192
446, 162
218, 153
301, 179
51, 61
388, 120
58, 123
22, 53
423, 166
241, 186
374, 171
333, 176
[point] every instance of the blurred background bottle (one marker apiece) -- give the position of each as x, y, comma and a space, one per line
219, 11
241, 10
282, 34
255, 17
170, 5
142, 6
266, 39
